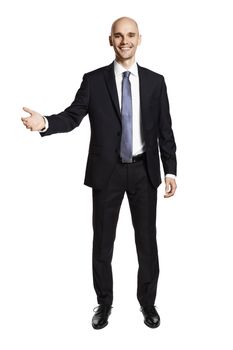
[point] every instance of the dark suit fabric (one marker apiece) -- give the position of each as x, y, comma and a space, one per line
98, 98
131, 179
110, 179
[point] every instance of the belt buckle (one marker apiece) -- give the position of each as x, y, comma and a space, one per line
126, 162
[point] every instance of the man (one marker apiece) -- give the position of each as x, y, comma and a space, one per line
130, 122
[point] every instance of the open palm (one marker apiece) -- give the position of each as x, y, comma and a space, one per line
35, 122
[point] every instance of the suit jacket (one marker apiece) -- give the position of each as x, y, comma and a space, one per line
97, 97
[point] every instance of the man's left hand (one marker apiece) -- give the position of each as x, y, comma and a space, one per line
170, 187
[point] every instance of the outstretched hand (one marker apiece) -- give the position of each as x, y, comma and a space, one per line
35, 122
170, 187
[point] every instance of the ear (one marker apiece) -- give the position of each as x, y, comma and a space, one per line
139, 39
110, 40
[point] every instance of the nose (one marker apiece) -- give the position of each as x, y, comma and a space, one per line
124, 40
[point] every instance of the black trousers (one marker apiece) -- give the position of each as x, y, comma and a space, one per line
133, 179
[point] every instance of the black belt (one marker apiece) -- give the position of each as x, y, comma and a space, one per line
135, 159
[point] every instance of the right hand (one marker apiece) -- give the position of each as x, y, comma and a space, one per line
35, 122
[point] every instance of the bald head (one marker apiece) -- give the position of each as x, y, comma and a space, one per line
124, 21
124, 39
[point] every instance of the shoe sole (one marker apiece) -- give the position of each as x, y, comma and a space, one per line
156, 326
96, 327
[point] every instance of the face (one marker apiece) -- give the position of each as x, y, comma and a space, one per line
125, 39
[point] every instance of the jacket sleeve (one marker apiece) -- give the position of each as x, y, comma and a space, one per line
72, 116
167, 143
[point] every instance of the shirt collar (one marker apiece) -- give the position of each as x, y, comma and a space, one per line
119, 69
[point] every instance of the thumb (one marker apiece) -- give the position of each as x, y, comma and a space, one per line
167, 188
28, 110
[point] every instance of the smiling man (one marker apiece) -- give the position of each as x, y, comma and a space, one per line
130, 123
125, 42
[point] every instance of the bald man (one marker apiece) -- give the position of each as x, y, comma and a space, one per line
131, 126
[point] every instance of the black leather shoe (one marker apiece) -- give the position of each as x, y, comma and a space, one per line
100, 318
151, 316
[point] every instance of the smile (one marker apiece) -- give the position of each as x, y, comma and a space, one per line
125, 48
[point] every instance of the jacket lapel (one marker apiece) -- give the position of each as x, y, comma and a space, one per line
111, 85
143, 87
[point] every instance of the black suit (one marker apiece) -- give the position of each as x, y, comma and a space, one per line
97, 96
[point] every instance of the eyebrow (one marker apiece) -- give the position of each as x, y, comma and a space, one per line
118, 33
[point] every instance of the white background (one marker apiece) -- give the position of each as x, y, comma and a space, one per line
46, 294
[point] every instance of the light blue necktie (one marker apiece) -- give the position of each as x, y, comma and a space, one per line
126, 118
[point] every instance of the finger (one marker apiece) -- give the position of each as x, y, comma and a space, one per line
167, 195
28, 110
167, 188
26, 123
171, 192
25, 120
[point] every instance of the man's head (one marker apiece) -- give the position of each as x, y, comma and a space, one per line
125, 39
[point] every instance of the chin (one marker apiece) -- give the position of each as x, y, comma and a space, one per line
125, 57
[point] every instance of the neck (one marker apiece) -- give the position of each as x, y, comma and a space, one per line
126, 63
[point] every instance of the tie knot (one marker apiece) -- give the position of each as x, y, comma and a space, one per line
126, 74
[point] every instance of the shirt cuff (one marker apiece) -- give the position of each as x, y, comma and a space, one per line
172, 176
46, 124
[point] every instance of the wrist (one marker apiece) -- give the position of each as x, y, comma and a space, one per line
44, 126
172, 176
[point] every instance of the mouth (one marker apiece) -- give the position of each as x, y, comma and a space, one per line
125, 48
